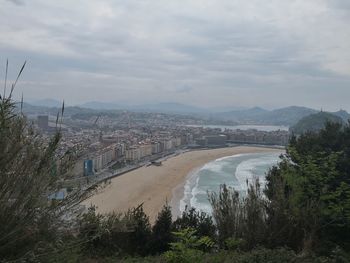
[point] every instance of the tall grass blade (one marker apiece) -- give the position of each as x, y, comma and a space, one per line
20, 73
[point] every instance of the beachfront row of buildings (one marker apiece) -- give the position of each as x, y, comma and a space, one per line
124, 152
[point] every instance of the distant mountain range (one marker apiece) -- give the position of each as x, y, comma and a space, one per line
287, 116
169, 107
51, 103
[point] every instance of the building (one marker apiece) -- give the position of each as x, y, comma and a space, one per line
215, 140
43, 122
145, 150
88, 168
155, 147
133, 154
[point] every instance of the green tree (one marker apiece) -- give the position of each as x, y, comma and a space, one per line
309, 191
202, 222
241, 221
161, 231
138, 238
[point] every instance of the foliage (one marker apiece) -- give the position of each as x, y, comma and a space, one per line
188, 247
239, 218
161, 231
139, 235
106, 235
228, 213
198, 220
309, 192
101, 235
30, 172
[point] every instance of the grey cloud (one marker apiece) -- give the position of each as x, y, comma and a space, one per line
192, 53
339, 4
16, 2
184, 89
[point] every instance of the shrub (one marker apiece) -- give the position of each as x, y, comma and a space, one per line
200, 221
189, 247
30, 172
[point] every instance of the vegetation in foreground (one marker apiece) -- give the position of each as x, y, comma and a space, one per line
302, 215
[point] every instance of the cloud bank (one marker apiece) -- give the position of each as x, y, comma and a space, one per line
202, 52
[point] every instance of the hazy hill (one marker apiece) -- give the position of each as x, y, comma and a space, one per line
343, 114
159, 107
51, 103
32, 109
315, 122
169, 108
97, 105
284, 116
288, 116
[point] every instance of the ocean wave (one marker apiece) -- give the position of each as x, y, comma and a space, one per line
191, 186
247, 172
211, 175
231, 157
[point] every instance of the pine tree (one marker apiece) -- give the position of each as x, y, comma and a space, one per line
161, 231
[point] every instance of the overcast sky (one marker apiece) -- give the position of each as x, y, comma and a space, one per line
207, 53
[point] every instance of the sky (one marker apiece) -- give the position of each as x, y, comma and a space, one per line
206, 53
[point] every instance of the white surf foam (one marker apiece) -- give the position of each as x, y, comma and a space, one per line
246, 171
191, 187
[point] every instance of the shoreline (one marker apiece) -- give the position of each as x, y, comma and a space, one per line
178, 192
155, 185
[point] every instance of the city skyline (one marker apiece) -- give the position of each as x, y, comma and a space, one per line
202, 53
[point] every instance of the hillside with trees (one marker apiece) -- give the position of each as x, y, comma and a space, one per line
315, 122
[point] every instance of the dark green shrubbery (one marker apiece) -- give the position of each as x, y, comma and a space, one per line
202, 222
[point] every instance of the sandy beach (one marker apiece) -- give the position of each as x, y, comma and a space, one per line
154, 185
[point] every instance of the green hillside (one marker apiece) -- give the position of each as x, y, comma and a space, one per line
315, 122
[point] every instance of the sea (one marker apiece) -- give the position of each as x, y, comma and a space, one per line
234, 171
267, 128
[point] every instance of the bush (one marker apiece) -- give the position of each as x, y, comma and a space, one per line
202, 222
189, 247
31, 171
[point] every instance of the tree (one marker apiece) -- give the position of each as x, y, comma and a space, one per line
202, 222
309, 191
138, 237
161, 231
241, 221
